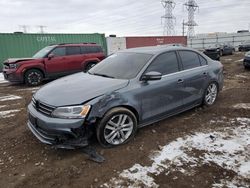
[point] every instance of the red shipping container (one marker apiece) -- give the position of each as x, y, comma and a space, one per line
133, 42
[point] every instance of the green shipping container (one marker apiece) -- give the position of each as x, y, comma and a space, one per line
17, 45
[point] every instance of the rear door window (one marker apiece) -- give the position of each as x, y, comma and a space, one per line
91, 49
166, 63
59, 51
73, 50
189, 59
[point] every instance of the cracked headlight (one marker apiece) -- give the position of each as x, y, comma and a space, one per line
72, 112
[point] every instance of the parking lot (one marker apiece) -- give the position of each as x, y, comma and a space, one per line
204, 147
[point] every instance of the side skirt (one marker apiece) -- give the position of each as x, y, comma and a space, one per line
168, 115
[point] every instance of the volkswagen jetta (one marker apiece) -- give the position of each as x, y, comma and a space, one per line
128, 90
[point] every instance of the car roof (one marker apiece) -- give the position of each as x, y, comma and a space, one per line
77, 44
156, 49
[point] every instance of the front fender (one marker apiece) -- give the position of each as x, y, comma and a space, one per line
101, 105
24, 68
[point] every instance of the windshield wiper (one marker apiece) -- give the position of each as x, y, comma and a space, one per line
103, 75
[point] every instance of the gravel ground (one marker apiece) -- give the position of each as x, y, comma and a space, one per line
204, 147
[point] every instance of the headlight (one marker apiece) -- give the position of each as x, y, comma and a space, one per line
72, 112
13, 66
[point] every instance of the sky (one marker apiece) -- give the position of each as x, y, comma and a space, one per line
123, 17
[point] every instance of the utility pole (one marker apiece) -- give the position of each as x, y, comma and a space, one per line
191, 7
168, 28
183, 28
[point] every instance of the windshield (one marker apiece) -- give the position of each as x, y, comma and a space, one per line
43, 52
125, 65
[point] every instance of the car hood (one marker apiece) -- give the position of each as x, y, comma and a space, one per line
15, 60
77, 89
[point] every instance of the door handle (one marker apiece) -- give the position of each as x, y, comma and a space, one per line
180, 81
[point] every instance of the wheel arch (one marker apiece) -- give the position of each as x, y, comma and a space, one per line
132, 109
213, 81
35, 68
85, 63
129, 107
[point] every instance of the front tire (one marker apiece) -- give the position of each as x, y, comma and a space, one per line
33, 77
89, 66
117, 127
210, 94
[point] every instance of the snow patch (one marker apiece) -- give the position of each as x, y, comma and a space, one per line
29, 89
3, 106
9, 98
242, 106
244, 121
228, 149
2, 80
240, 60
234, 183
241, 76
8, 113
228, 59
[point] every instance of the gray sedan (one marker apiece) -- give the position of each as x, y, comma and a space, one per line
128, 90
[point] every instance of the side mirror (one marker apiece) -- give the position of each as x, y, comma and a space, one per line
50, 56
153, 75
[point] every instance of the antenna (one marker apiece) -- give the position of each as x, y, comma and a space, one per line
168, 28
191, 7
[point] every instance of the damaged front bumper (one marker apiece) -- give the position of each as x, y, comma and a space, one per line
61, 133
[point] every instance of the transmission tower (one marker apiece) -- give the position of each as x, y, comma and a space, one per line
41, 27
168, 17
191, 7
24, 28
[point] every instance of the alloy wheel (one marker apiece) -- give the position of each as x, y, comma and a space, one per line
34, 78
211, 94
118, 129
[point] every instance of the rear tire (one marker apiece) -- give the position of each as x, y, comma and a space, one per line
210, 94
33, 77
117, 127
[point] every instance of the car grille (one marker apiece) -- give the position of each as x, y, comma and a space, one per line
42, 107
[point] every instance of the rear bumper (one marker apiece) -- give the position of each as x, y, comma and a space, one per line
62, 133
212, 55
